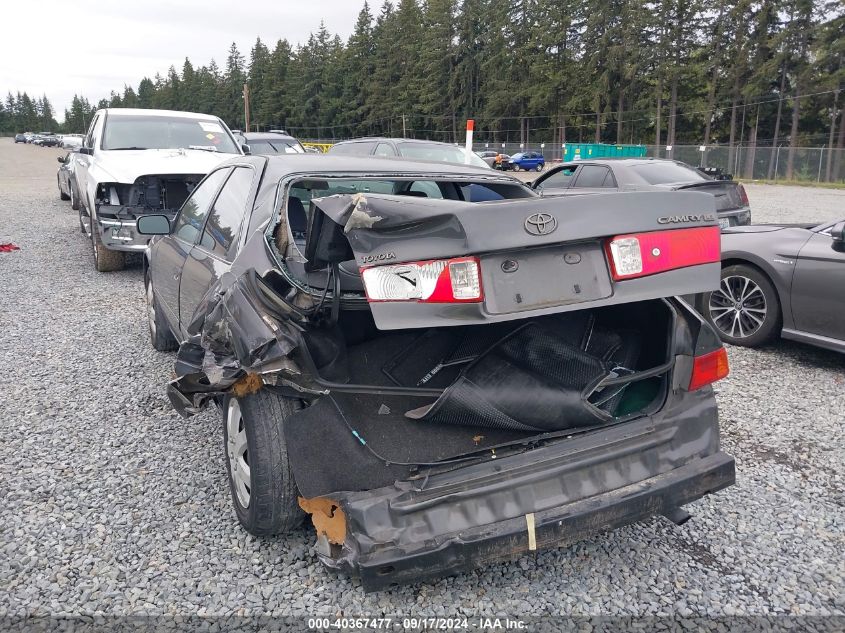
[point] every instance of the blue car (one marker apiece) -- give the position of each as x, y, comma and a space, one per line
528, 161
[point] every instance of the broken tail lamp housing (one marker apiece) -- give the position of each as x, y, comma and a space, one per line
456, 280
642, 254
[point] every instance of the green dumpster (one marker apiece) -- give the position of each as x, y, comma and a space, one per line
585, 151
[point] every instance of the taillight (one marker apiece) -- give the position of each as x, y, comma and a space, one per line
436, 281
709, 368
743, 195
641, 254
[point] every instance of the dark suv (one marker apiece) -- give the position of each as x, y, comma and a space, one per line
440, 383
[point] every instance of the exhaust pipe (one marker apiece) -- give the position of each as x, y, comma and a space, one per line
677, 515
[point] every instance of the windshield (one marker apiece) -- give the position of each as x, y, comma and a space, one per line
275, 146
439, 153
166, 132
666, 173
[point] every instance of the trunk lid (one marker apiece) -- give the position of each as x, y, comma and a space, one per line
536, 255
725, 192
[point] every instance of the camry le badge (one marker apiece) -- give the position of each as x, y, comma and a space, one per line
540, 224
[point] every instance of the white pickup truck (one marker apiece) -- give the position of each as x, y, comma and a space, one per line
134, 162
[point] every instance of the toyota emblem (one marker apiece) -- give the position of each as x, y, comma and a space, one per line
540, 224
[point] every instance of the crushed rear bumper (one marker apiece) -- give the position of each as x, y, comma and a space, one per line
447, 523
558, 527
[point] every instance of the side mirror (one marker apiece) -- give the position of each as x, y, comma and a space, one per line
61, 159
88, 151
246, 149
153, 225
837, 232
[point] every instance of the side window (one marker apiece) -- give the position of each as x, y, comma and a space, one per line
192, 216
426, 189
479, 193
561, 179
224, 223
592, 176
88, 142
383, 149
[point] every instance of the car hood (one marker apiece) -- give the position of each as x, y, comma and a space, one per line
127, 165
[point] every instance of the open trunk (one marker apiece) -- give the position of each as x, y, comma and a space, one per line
480, 389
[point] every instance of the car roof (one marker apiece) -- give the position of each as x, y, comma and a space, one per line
394, 139
339, 164
609, 160
260, 136
168, 113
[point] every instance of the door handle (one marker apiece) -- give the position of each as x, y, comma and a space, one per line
176, 276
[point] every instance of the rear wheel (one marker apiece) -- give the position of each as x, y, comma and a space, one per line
105, 260
539, 167
161, 337
263, 489
745, 310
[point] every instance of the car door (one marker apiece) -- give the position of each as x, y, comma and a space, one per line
83, 161
818, 298
592, 179
212, 255
557, 181
168, 254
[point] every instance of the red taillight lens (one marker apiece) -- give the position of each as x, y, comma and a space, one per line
743, 195
709, 368
455, 280
642, 254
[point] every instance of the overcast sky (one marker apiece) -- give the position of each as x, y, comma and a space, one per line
90, 47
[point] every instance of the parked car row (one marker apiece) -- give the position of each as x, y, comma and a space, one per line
49, 139
418, 351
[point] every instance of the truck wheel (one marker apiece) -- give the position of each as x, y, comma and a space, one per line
161, 337
74, 201
62, 194
263, 489
745, 310
105, 260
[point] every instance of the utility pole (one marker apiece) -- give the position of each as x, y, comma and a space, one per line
246, 107
404, 133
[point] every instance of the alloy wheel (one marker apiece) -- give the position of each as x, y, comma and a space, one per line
236, 450
738, 308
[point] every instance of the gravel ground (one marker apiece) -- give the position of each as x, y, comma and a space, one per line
112, 503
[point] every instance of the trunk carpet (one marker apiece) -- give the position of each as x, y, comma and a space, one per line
326, 456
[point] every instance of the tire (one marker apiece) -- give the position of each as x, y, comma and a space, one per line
253, 437
161, 337
539, 167
74, 199
62, 194
105, 260
745, 310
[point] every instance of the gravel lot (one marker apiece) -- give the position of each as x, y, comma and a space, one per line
112, 503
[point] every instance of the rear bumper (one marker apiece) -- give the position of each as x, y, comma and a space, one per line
736, 217
553, 528
446, 523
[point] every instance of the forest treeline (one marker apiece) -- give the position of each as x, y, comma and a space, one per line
660, 72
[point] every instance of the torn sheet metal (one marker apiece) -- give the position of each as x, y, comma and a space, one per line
237, 337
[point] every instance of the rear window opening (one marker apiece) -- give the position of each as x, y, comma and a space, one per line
300, 193
472, 392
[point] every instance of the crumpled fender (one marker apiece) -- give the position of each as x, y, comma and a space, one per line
240, 338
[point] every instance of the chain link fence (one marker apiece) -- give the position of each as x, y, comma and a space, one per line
809, 164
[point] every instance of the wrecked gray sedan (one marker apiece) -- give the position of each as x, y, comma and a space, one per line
439, 366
